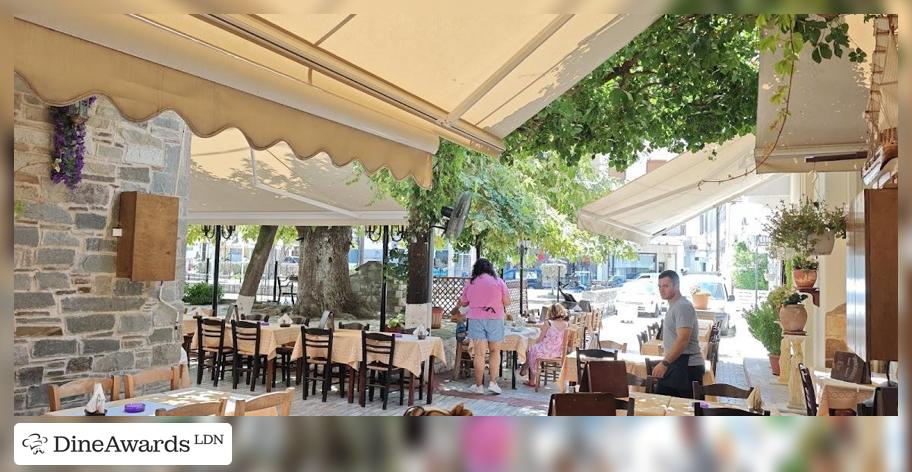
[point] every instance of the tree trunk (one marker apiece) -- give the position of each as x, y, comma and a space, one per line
323, 279
417, 292
254, 272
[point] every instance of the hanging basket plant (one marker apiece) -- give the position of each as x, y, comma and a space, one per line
69, 141
806, 228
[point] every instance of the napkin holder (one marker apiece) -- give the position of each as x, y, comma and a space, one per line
96, 404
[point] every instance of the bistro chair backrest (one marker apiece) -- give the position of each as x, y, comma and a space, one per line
582, 404
317, 343
607, 377
647, 384
269, 404
300, 320
650, 365
132, 382
210, 333
608, 344
700, 391
246, 336
583, 356
353, 325
214, 408
377, 349
700, 410
83, 387
810, 396
255, 317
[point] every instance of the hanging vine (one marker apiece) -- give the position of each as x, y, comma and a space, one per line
69, 141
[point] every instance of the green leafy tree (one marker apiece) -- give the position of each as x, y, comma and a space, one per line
746, 273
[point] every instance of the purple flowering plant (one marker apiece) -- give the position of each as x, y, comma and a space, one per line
69, 141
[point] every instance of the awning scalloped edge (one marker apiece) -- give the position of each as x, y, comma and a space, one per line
62, 69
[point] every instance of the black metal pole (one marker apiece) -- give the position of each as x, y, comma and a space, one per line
207, 269
522, 277
430, 292
557, 293
215, 274
275, 282
383, 278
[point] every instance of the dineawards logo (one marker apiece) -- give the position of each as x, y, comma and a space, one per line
122, 444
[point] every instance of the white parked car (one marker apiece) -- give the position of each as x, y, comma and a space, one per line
719, 299
639, 296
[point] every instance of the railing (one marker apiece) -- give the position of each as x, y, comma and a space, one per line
447, 291
230, 278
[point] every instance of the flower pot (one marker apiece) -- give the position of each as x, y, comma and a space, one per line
700, 301
793, 317
397, 329
774, 364
823, 243
436, 317
804, 278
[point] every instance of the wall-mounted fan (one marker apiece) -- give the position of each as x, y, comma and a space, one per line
457, 215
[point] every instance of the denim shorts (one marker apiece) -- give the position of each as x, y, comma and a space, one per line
491, 330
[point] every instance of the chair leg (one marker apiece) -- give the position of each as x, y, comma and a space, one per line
235, 367
384, 390
343, 374
370, 390
401, 384
327, 380
200, 365
313, 388
256, 373
305, 371
421, 382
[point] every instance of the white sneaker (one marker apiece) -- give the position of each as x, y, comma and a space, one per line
494, 388
479, 389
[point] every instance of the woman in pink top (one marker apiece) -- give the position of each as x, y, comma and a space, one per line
549, 344
486, 295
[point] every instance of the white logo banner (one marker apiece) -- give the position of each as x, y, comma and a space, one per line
122, 444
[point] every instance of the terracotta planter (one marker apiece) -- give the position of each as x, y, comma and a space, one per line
774, 364
700, 301
823, 243
793, 317
397, 329
436, 317
804, 278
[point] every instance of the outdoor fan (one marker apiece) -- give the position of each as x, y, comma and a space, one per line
457, 215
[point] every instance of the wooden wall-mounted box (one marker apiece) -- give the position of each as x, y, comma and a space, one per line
147, 248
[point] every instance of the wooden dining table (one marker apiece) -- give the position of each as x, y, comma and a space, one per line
410, 354
635, 363
842, 395
164, 400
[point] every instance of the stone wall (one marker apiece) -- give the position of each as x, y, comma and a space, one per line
73, 317
366, 285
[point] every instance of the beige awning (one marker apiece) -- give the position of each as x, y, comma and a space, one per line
673, 194
828, 102
233, 184
410, 79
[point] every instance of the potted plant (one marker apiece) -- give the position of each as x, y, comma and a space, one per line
700, 298
804, 271
792, 315
394, 324
806, 228
763, 324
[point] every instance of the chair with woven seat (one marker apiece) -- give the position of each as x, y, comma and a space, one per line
268, 404
700, 410
317, 353
584, 355
377, 351
196, 409
719, 390
247, 337
210, 340
83, 388
161, 375
550, 366
584, 404
608, 344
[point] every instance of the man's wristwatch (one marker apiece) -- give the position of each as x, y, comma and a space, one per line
665, 363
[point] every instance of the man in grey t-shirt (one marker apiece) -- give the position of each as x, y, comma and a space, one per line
683, 363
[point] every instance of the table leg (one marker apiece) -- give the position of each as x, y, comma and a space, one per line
362, 399
270, 365
351, 385
411, 397
513, 368
430, 384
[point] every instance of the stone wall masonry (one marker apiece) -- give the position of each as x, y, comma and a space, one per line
72, 316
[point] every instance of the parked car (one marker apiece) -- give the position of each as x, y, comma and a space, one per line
530, 275
639, 297
616, 281
654, 276
290, 260
720, 306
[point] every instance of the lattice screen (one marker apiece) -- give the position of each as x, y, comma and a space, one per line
448, 289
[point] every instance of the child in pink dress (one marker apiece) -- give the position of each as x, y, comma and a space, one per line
550, 342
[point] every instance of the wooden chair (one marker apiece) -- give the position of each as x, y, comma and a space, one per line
661, 327
810, 396
719, 390
150, 376
320, 340
650, 364
247, 337
648, 384
187, 342
210, 340
550, 366
607, 377
354, 325
712, 355
583, 404
700, 410
372, 346
619, 347
84, 388
196, 409
642, 338
288, 289
300, 320
582, 360
255, 317
269, 404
